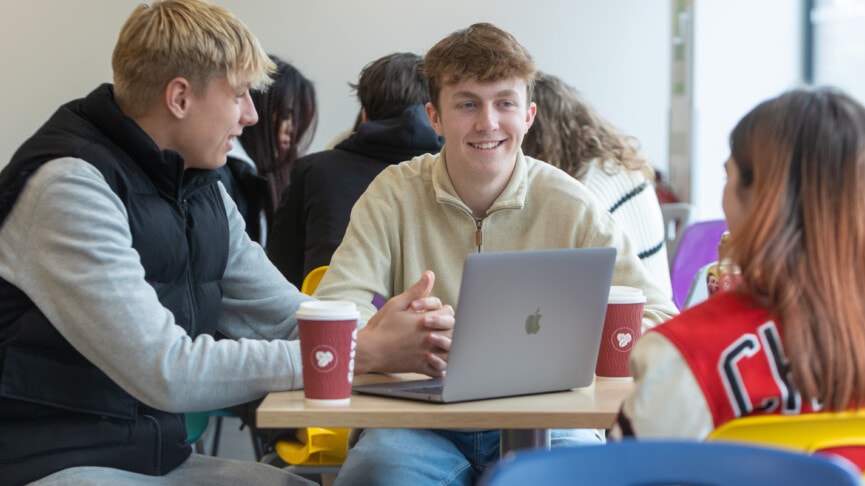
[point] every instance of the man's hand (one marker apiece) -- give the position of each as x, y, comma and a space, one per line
411, 333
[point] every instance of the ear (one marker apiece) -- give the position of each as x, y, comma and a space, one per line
434, 119
530, 115
177, 96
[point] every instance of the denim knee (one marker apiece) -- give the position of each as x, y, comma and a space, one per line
405, 456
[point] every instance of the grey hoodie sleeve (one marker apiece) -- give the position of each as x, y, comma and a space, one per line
67, 245
258, 302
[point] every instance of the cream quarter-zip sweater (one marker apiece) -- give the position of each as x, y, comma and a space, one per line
410, 219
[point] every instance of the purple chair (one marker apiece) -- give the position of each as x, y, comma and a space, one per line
697, 248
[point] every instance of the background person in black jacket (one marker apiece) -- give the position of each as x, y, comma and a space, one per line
314, 212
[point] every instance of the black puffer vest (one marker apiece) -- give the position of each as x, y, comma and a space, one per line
57, 410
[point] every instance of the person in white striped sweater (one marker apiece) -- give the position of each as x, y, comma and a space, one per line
570, 134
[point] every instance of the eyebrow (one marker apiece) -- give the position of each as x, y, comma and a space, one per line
505, 93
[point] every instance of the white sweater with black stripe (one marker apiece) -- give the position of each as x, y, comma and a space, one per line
631, 199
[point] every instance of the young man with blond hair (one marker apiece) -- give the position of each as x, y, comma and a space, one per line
480, 194
121, 255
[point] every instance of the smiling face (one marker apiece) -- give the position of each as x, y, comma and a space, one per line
483, 125
212, 121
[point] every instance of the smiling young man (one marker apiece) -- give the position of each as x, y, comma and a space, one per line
121, 255
479, 194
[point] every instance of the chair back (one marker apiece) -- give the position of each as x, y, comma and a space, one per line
698, 247
633, 462
677, 217
841, 433
312, 279
196, 424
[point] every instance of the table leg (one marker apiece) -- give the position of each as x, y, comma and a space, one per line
513, 439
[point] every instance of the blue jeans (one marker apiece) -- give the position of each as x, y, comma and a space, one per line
419, 457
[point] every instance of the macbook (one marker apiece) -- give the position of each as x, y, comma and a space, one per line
526, 322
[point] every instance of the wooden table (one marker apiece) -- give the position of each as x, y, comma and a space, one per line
525, 421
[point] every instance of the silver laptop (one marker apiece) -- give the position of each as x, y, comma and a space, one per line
526, 322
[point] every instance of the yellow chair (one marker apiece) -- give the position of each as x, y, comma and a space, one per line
312, 279
315, 446
841, 433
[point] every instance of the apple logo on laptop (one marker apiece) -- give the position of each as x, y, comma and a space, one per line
533, 322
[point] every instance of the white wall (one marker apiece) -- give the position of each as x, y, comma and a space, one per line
839, 50
616, 51
744, 53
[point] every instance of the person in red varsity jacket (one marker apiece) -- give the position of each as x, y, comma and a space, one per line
789, 338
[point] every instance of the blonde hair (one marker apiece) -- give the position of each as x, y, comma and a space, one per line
192, 39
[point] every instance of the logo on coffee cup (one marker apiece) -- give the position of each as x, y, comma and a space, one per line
324, 358
623, 339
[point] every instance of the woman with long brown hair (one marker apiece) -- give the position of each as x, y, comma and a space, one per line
790, 338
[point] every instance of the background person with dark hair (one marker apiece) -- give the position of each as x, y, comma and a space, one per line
315, 209
259, 165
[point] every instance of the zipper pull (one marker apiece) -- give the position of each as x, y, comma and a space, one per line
479, 235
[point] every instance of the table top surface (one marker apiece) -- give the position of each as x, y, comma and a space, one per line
594, 406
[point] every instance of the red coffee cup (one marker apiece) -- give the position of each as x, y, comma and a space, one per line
328, 338
623, 325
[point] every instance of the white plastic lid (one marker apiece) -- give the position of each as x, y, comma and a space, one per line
620, 294
326, 310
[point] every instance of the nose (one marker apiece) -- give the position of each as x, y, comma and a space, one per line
248, 115
286, 127
487, 119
